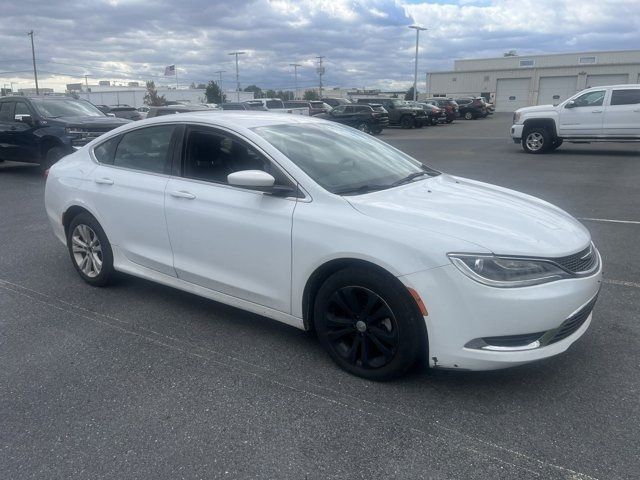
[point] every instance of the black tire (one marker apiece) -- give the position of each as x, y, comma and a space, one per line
364, 127
468, 116
106, 273
536, 140
407, 121
369, 324
52, 156
376, 131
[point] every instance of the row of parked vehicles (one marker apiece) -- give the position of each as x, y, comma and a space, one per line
44, 129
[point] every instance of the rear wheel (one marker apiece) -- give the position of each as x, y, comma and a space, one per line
468, 116
52, 156
536, 140
368, 324
376, 131
407, 121
364, 127
90, 250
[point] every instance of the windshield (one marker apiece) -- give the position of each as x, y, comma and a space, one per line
341, 159
52, 108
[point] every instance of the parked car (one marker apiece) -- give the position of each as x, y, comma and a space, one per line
234, 106
275, 105
598, 114
43, 129
322, 227
125, 111
471, 108
106, 109
400, 113
450, 107
366, 118
143, 111
334, 102
318, 106
434, 113
298, 104
175, 108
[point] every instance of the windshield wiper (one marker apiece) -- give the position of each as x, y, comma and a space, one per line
361, 189
410, 177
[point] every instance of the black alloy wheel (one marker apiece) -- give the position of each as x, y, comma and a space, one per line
369, 324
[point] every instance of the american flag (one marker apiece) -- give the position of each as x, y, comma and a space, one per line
170, 71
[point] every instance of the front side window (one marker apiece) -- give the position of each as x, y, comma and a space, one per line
590, 99
340, 109
625, 97
21, 109
342, 160
6, 111
57, 107
146, 149
211, 155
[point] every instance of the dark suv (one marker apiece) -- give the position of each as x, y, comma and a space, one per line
367, 118
400, 113
471, 107
125, 111
450, 107
45, 129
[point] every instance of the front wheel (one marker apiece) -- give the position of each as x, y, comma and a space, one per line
536, 140
367, 324
52, 156
90, 250
407, 121
468, 116
364, 127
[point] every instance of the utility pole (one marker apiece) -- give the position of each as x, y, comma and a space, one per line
415, 73
320, 71
220, 72
237, 74
86, 84
295, 74
33, 54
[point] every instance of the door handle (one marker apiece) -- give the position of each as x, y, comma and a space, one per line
637, 110
596, 111
14, 128
103, 181
182, 194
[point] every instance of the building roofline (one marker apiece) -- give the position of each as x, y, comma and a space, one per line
528, 69
548, 55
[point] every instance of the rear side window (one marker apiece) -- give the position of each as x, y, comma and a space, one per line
6, 111
146, 149
625, 97
105, 152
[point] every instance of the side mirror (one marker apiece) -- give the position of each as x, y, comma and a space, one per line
571, 104
259, 180
28, 119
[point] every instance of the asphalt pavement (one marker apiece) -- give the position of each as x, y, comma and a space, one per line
140, 381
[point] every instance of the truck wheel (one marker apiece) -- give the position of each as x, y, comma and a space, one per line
536, 140
407, 121
53, 155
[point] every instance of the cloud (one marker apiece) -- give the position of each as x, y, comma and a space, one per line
365, 43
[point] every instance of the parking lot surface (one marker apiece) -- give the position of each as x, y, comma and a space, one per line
142, 381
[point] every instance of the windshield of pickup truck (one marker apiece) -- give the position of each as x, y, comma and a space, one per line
57, 107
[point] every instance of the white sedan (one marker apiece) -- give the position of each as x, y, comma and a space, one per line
323, 227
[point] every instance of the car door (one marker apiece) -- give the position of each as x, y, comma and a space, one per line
622, 113
344, 114
233, 240
6, 122
21, 135
583, 116
127, 191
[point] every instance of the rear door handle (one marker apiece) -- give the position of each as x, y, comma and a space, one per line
637, 110
182, 194
104, 181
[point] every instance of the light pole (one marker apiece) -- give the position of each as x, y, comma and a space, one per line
237, 74
417, 28
33, 54
295, 74
320, 71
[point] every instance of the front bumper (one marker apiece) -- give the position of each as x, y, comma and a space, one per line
516, 132
461, 311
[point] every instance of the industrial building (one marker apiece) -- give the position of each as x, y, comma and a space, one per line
516, 81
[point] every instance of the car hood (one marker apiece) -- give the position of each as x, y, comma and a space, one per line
502, 221
536, 108
91, 122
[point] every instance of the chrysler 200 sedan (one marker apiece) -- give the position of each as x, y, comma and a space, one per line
323, 227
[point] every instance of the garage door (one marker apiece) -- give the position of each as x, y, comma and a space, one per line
601, 80
554, 90
512, 93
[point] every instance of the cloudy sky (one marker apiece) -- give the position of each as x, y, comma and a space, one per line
366, 43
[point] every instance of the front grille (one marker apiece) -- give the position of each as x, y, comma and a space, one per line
580, 262
574, 322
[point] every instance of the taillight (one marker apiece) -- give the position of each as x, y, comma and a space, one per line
375, 114
46, 172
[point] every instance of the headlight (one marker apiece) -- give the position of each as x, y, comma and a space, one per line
507, 272
516, 117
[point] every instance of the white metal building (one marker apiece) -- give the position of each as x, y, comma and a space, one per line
519, 81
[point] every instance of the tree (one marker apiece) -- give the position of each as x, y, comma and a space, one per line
152, 98
270, 93
257, 91
310, 95
284, 95
409, 94
214, 94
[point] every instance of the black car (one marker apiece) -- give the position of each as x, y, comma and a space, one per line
436, 114
46, 128
400, 112
234, 106
172, 109
367, 118
471, 108
125, 111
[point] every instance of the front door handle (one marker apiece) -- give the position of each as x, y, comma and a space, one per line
182, 194
637, 110
104, 181
596, 111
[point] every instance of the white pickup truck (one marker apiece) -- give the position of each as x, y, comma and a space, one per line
598, 114
274, 105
